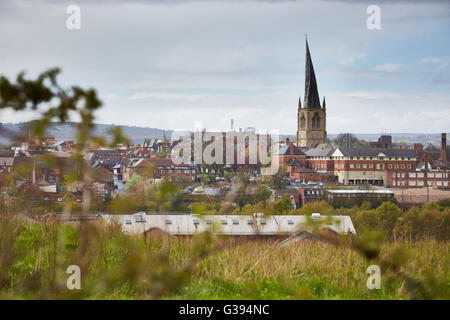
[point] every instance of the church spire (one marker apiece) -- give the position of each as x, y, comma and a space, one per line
311, 94
324, 105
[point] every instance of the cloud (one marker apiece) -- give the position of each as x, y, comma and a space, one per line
431, 60
373, 95
169, 63
164, 96
388, 67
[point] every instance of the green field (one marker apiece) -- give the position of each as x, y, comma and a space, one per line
34, 258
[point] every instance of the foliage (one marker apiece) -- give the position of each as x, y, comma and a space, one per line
34, 257
133, 181
283, 204
348, 140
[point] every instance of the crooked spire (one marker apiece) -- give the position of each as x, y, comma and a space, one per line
312, 100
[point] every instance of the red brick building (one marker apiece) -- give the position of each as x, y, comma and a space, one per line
290, 152
298, 172
367, 165
162, 168
319, 159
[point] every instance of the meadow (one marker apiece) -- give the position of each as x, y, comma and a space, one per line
34, 257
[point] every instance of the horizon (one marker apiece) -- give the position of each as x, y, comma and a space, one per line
281, 133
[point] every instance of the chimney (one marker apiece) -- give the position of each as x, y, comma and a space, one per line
443, 147
287, 141
34, 172
426, 162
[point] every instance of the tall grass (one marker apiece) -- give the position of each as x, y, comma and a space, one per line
34, 257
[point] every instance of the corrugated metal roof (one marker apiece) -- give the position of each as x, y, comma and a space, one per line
226, 224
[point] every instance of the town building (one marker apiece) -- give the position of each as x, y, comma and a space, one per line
367, 165
357, 195
256, 225
289, 154
319, 159
384, 141
159, 168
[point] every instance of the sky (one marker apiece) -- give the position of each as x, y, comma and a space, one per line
172, 64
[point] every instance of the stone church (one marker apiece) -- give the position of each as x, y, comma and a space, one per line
311, 126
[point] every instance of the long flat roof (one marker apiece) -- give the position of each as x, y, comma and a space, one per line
188, 224
349, 191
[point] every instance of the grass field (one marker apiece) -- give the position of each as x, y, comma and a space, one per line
34, 258
311, 271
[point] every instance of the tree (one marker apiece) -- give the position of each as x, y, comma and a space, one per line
46, 96
279, 180
134, 180
284, 204
264, 193
389, 213
348, 140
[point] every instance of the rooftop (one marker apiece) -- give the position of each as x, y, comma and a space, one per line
230, 224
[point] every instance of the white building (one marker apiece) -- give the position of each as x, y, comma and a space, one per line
231, 225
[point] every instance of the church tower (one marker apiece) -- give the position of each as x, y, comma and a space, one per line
311, 121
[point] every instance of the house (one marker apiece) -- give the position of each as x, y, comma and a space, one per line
64, 145
166, 168
434, 173
289, 153
319, 159
159, 167
298, 172
310, 194
301, 236
384, 141
292, 193
104, 154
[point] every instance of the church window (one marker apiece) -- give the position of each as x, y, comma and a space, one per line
302, 122
316, 121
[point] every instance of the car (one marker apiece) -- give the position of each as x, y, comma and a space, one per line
187, 191
199, 190
60, 199
79, 200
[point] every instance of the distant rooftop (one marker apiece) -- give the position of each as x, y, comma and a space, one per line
238, 225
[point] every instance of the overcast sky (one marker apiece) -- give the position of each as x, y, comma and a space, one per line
167, 64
